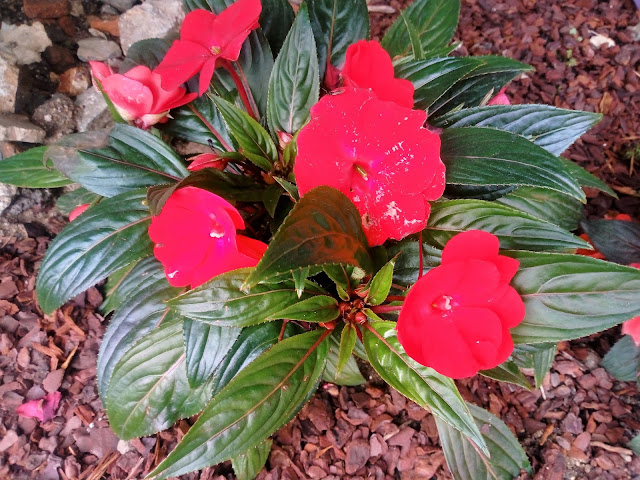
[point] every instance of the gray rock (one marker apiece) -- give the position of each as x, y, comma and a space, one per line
8, 82
91, 111
120, 5
25, 42
152, 19
6, 195
55, 116
18, 128
98, 49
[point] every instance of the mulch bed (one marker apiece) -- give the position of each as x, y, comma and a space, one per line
576, 426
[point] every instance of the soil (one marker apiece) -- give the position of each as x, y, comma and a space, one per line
576, 426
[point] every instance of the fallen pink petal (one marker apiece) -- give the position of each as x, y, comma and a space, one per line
44, 409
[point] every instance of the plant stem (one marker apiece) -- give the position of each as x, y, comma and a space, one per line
386, 308
284, 325
396, 298
215, 133
243, 89
421, 259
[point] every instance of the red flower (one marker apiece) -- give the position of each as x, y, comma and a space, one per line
500, 99
368, 65
138, 96
632, 327
76, 212
456, 318
206, 37
378, 154
43, 409
207, 160
195, 237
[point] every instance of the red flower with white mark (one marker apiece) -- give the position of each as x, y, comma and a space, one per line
137, 94
368, 65
456, 318
379, 155
205, 39
195, 237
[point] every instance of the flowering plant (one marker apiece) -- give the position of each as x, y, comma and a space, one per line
380, 201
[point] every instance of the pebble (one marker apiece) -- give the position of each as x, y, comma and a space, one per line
75, 81
120, 5
18, 128
159, 18
8, 82
59, 58
46, 8
25, 42
91, 110
97, 49
55, 116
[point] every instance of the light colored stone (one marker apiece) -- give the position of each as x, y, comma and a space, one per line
120, 5
98, 49
6, 195
152, 19
18, 128
91, 110
25, 42
55, 116
8, 82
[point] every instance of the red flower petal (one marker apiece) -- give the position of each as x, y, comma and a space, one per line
76, 212
207, 160
183, 60
132, 98
500, 99
43, 409
233, 26
632, 327
472, 244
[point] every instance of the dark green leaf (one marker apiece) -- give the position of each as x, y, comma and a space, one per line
336, 25
291, 188
323, 228
121, 285
258, 401
276, 20
348, 340
149, 390
29, 169
485, 156
215, 6
299, 279
294, 83
515, 229
623, 360
507, 372
466, 462
586, 179
349, 375
414, 39
617, 240
546, 204
271, 198
126, 159
538, 356
407, 266
67, 202
205, 346
435, 20
478, 192
381, 284
571, 296
553, 129
248, 464
221, 302
634, 444
320, 308
104, 239
421, 384
148, 52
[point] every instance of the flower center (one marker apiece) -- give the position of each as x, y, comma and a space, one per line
217, 230
443, 303
215, 50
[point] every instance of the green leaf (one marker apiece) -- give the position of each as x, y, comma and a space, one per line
294, 84
545, 204
416, 47
348, 340
136, 317
349, 375
487, 79
205, 346
69, 201
271, 198
381, 284
515, 229
258, 401
107, 237
323, 228
623, 360
126, 159
538, 356
290, 188
254, 141
149, 390
337, 24
247, 465
194, 126
421, 384
572, 296
276, 19
586, 179
220, 301
484, 156
407, 266
435, 20
507, 458
507, 372
433, 77
634, 444
148, 52
121, 285
29, 169
320, 308
617, 240
553, 129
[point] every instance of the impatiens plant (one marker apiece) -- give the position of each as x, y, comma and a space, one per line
353, 202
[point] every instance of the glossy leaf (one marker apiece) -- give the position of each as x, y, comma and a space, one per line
435, 21
205, 346
337, 24
348, 340
485, 156
349, 375
319, 308
381, 284
148, 52
104, 239
134, 318
275, 20
121, 284
623, 360
572, 296
248, 464
507, 458
414, 39
407, 266
507, 372
515, 229
126, 159
69, 201
323, 228
258, 401
149, 390
220, 301
634, 444
586, 179
294, 83
421, 384
617, 240
29, 169
538, 356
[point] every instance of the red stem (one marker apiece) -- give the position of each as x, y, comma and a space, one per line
396, 298
284, 325
421, 259
216, 134
386, 308
242, 90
